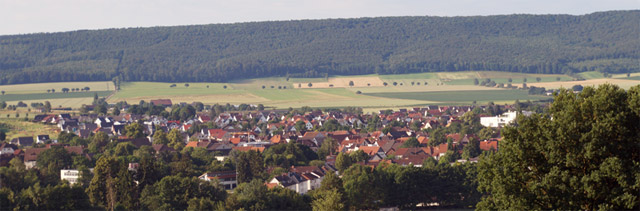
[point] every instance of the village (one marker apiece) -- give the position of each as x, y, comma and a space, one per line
406, 137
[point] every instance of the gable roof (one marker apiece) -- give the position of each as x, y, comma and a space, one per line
23, 141
370, 150
217, 133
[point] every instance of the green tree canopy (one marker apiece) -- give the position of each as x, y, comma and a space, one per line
175, 192
134, 130
343, 161
582, 155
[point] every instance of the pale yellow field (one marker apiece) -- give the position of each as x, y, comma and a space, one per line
622, 83
206, 99
343, 82
42, 87
421, 88
458, 75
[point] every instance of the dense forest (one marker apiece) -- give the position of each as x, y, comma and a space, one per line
603, 41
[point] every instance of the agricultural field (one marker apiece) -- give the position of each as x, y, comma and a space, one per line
368, 91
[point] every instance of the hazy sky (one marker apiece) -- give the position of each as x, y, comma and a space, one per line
29, 16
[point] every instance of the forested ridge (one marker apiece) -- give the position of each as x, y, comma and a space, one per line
603, 41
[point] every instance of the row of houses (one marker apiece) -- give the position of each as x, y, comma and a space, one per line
270, 128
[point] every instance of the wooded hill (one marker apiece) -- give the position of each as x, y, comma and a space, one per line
603, 41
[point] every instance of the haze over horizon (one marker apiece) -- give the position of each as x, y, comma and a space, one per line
24, 17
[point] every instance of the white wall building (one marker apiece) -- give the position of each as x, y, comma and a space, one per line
71, 175
502, 120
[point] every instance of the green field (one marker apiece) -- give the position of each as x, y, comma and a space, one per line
591, 75
462, 96
48, 96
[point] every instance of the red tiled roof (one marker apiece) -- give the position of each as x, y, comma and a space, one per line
487, 145
276, 139
217, 133
370, 150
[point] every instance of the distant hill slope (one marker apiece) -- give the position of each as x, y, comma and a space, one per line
605, 41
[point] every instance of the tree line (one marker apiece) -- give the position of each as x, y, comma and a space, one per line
603, 41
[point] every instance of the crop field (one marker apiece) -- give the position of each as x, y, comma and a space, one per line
591, 75
278, 92
457, 97
157, 89
342, 82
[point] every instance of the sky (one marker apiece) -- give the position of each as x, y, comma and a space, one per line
33, 16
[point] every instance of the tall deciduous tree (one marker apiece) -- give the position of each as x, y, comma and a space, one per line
358, 185
583, 155
249, 165
112, 185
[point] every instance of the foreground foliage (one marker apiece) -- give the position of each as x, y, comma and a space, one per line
583, 155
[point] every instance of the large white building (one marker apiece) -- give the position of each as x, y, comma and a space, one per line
71, 175
501, 120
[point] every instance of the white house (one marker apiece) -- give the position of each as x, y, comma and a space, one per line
7, 148
71, 175
300, 179
501, 120
226, 178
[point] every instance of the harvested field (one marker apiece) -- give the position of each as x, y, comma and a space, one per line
343, 82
